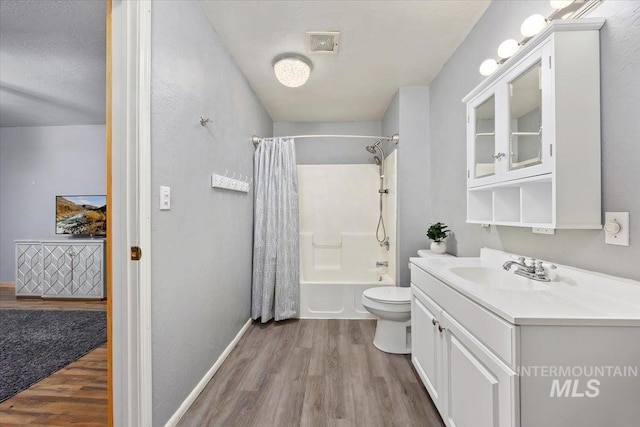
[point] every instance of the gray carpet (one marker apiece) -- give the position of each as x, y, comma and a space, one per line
36, 343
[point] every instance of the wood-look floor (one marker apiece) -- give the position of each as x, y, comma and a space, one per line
313, 373
8, 300
75, 395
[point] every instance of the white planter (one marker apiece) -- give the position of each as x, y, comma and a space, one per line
438, 247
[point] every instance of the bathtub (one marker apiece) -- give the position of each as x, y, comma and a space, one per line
337, 300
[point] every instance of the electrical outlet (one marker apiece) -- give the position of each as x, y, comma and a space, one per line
616, 228
165, 198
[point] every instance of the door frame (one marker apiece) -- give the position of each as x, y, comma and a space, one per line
129, 130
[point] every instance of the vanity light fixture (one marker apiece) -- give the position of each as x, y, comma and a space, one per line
507, 48
533, 25
292, 70
560, 4
488, 66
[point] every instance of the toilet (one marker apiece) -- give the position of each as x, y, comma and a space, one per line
392, 306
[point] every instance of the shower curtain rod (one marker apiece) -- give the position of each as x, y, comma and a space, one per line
395, 138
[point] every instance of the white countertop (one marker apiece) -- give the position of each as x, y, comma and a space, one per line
573, 297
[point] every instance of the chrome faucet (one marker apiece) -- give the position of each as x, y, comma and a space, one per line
382, 264
534, 271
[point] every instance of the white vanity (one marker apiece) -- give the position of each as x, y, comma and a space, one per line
496, 349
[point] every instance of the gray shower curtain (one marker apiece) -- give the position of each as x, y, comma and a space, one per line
276, 254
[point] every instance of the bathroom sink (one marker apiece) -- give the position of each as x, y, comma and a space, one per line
501, 280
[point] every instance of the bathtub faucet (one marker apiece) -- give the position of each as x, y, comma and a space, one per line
382, 264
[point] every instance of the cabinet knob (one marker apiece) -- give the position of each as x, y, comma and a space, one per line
434, 321
440, 328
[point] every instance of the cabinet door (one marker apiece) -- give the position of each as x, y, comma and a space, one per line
481, 390
426, 343
529, 122
87, 280
483, 144
58, 270
28, 269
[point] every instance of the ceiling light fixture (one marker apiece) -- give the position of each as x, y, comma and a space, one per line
508, 48
533, 25
292, 70
560, 4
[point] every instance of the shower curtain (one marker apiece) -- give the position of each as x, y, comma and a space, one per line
276, 254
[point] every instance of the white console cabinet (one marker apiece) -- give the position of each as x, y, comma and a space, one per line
69, 268
28, 268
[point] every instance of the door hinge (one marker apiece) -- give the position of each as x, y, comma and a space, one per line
550, 150
467, 118
468, 174
136, 253
549, 62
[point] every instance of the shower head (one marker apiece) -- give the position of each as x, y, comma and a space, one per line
377, 160
373, 148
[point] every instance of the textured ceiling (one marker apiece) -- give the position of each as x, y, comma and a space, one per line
52, 62
383, 45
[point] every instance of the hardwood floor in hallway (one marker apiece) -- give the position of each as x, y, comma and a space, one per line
313, 373
75, 395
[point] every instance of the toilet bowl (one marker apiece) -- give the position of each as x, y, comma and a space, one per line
392, 306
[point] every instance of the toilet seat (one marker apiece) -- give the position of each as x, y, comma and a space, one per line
388, 294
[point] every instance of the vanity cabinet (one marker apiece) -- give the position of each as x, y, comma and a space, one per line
468, 383
60, 268
502, 352
533, 133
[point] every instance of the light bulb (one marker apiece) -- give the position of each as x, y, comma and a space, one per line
560, 4
507, 48
488, 67
533, 25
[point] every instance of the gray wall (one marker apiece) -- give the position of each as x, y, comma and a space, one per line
319, 151
202, 247
620, 86
36, 164
408, 115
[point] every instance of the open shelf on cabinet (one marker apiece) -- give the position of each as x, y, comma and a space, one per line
524, 203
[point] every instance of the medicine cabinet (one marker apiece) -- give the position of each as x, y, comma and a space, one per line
533, 133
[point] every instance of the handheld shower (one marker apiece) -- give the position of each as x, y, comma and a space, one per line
381, 231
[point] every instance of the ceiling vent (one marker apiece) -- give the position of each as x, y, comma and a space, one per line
323, 41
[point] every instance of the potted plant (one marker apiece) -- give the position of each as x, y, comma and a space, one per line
438, 232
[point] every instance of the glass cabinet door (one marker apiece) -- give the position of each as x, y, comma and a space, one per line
525, 119
484, 164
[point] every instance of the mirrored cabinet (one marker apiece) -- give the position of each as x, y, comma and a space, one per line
533, 133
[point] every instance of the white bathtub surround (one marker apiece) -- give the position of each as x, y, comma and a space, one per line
494, 348
389, 209
339, 210
276, 259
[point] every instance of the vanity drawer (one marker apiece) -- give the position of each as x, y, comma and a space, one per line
494, 332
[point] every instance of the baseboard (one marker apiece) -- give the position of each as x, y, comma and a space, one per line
207, 377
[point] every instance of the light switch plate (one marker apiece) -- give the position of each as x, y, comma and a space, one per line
622, 237
165, 198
